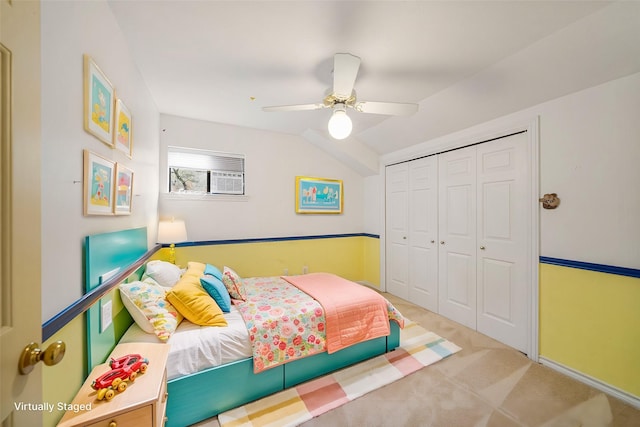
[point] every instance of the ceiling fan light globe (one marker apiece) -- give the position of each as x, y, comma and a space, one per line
340, 125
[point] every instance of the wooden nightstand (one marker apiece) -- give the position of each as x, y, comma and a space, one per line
143, 403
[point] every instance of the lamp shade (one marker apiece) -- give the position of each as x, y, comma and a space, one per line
173, 231
340, 125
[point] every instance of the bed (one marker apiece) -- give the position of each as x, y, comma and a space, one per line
232, 371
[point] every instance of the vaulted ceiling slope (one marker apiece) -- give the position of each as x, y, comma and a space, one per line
464, 62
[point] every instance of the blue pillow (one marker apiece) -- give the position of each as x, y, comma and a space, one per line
211, 270
216, 289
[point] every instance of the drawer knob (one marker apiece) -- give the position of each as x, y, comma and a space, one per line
113, 424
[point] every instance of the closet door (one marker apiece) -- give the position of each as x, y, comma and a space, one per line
397, 230
503, 211
457, 235
423, 232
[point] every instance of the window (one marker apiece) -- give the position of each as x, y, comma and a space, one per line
193, 171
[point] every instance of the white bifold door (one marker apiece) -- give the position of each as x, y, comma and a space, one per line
397, 230
484, 214
412, 231
457, 236
457, 240
503, 221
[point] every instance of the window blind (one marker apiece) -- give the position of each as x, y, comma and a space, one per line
204, 160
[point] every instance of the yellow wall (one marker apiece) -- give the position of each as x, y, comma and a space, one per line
61, 382
349, 257
590, 322
371, 260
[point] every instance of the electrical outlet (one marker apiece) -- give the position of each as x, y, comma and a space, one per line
305, 269
106, 315
286, 271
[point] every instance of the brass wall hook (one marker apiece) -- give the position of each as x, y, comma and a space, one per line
550, 201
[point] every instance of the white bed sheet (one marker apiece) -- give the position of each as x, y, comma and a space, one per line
195, 348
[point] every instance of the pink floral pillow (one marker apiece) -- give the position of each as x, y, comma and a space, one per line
234, 284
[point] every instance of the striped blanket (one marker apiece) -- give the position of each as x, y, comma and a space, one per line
291, 407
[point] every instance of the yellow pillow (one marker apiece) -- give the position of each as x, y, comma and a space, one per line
195, 268
194, 303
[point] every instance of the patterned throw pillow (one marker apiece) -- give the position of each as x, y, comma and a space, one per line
234, 284
149, 308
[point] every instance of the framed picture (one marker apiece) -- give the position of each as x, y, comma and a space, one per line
318, 195
122, 135
123, 190
98, 182
99, 98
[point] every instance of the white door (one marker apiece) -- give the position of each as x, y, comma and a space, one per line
397, 231
457, 235
423, 232
502, 220
20, 135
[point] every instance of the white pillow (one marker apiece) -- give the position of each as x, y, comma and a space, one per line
146, 303
165, 273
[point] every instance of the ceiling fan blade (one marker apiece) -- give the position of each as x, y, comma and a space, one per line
345, 70
389, 108
300, 107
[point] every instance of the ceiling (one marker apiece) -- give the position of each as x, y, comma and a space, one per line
462, 61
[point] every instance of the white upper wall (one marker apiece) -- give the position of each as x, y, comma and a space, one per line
373, 204
69, 30
601, 47
589, 156
272, 161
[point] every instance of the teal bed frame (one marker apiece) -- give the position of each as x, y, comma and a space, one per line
205, 394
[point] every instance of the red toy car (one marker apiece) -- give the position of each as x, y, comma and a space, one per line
122, 369
130, 362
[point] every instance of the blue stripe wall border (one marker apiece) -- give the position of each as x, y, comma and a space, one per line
601, 268
271, 239
81, 305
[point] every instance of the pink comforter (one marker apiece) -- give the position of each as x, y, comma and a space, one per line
353, 313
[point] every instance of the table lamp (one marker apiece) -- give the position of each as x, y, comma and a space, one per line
172, 232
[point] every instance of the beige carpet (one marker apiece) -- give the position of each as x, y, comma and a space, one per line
485, 384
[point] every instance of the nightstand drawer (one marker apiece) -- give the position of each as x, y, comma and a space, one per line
136, 418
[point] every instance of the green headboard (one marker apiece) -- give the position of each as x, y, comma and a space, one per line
107, 257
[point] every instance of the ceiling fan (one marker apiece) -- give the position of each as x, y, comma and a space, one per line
345, 70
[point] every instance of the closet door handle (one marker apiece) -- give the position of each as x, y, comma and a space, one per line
442, 242
433, 241
482, 247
